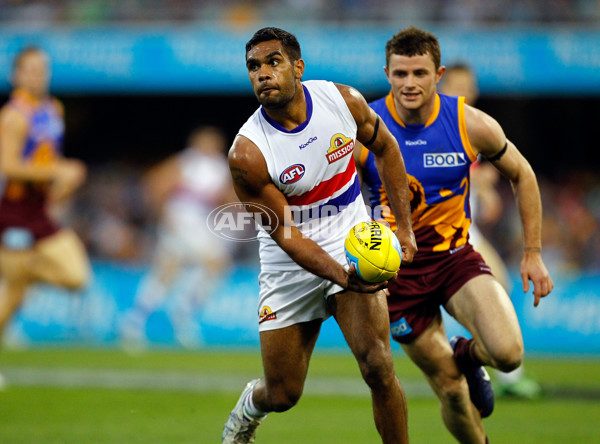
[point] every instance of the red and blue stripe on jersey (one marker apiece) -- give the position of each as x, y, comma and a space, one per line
328, 197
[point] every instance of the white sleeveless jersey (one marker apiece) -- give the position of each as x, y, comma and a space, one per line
313, 166
203, 183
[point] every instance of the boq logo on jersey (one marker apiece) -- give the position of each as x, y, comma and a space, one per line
292, 174
340, 146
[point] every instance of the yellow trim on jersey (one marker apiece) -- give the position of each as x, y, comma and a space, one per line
26, 96
435, 113
462, 125
362, 159
391, 106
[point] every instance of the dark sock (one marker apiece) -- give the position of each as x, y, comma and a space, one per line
463, 356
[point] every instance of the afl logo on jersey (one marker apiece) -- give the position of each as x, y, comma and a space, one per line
292, 174
340, 146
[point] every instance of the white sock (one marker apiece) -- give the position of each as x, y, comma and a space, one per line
250, 409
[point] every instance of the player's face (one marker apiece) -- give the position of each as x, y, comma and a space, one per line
273, 76
209, 142
33, 73
460, 83
413, 79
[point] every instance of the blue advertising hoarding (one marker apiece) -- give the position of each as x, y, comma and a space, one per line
566, 322
210, 60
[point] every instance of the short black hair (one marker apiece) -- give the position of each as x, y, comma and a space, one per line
288, 41
413, 41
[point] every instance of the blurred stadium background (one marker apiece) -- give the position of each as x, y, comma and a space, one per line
136, 76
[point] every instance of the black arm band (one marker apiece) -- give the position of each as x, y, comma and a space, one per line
499, 155
372, 139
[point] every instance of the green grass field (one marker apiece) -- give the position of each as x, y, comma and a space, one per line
105, 396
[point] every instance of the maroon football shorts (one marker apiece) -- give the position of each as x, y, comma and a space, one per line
430, 281
26, 216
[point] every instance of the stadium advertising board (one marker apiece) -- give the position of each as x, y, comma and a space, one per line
205, 60
566, 322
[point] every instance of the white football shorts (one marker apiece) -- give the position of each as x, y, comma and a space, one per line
290, 297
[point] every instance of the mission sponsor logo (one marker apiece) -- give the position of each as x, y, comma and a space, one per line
443, 160
292, 174
266, 314
340, 146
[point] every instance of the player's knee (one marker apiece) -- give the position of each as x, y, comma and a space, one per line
509, 357
284, 397
376, 366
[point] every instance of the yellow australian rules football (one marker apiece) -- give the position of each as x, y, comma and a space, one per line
374, 251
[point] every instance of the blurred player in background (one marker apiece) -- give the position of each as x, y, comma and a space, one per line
294, 154
440, 137
34, 176
486, 206
189, 260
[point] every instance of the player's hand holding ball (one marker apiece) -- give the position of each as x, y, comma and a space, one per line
373, 250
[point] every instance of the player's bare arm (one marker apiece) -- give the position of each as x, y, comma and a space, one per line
488, 138
372, 132
253, 184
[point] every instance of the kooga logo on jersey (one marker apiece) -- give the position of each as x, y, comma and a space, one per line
440, 160
308, 142
292, 174
415, 142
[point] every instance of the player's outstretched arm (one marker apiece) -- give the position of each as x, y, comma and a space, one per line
487, 137
253, 185
372, 133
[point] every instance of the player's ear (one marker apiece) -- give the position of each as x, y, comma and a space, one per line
388, 74
299, 68
440, 73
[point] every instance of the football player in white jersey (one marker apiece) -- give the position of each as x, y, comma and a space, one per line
188, 261
303, 274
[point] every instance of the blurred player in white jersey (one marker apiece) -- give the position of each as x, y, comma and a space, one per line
189, 259
486, 206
